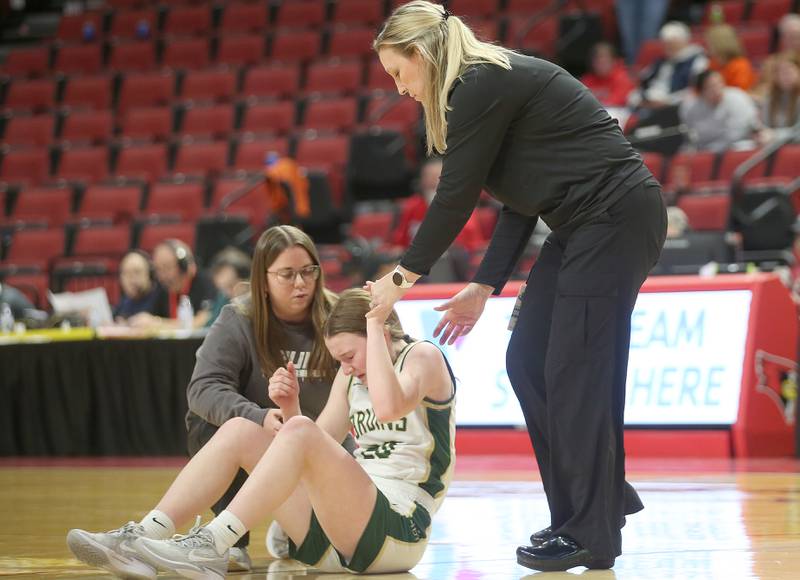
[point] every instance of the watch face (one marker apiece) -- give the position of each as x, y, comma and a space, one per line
397, 278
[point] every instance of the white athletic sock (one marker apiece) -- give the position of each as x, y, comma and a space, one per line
158, 525
226, 529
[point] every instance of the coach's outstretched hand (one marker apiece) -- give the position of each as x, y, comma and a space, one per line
461, 312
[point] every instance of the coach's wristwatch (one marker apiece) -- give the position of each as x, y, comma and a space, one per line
399, 278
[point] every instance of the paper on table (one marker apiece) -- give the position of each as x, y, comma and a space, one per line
93, 304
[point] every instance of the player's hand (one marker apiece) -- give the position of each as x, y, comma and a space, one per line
284, 390
461, 312
273, 421
383, 296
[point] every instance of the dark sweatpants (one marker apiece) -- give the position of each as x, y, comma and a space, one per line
567, 361
199, 434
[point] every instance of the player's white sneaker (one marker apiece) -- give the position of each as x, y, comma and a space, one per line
113, 551
191, 556
277, 541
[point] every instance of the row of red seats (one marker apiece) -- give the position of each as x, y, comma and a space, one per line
192, 53
706, 170
213, 85
210, 121
735, 12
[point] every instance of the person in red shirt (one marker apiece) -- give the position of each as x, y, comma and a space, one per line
414, 207
608, 78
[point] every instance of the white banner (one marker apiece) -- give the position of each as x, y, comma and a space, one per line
685, 364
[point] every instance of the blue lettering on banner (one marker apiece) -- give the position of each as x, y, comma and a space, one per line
669, 329
671, 386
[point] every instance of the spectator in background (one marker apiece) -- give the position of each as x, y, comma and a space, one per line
607, 77
667, 80
782, 99
789, 32
176, 270
140, 291
677, 222
728, 58
639, 20
414, 208
16, 300
718, 116
453, 266
230, 271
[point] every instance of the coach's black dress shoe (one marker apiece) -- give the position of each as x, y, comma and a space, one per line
559, 553
540, 536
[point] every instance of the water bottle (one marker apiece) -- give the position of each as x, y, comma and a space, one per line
185, 313
270, 159
6, 318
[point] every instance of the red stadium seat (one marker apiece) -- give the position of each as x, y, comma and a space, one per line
301, 13
275, 117
208, 86
358, 12
351, 42
328, 154
334, 77
706, 212
295, 45
241, 50
393, 112
88, 92
79, 59
372, 226
527, 7
770, 11
147, 162
111, 241
378, 79
244, 17
271, 81
27, 130
655, 163
188, 21
756, 41
697, 167
27, 166
732, 159
52, 206
251, 153
474, 8
30, 95
119, 204
650, 51
787, 162
146, 90
184, 200
486, 29
133, 56
125, 23
147, 124
541, 38
88, 127
331, 114
35, 248
154, 234
214, 121
27, 62
253, 204
188, 53
84, 164
70, 27
202, 158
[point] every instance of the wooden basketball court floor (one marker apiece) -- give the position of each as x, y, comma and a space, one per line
703, 519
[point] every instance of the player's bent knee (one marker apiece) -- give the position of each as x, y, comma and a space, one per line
298, 426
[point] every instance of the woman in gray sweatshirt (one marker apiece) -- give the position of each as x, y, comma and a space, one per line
280, 321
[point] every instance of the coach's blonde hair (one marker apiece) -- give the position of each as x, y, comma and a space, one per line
447, 47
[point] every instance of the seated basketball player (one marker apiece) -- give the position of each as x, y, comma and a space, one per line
396, 394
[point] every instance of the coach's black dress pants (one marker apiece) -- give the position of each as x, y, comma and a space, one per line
567, 361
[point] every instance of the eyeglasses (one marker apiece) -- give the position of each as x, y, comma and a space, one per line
288, 275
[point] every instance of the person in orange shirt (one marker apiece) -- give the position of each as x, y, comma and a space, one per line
608, 78
728, 57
